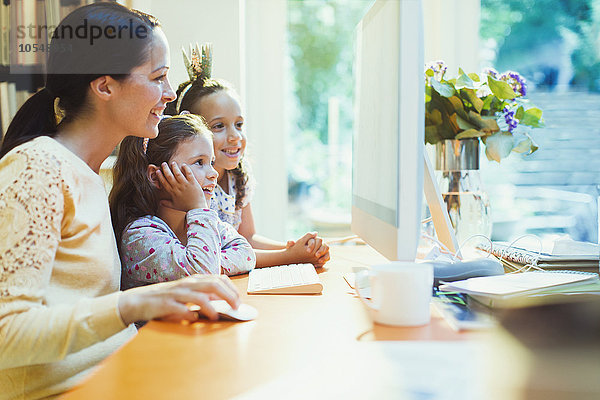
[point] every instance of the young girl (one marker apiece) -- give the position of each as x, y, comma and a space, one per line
219, 105
61, 311
159, 205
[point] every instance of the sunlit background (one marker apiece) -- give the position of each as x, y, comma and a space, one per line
554, 44
292, 63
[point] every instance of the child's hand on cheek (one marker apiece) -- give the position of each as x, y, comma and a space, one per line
181, 184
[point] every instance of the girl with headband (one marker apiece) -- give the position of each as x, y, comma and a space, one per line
159, 205
218, 103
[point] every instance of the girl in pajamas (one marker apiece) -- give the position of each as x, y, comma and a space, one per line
162, 188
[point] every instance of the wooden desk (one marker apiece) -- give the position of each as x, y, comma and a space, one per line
225, 359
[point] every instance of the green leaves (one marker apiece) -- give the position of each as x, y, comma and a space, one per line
471, 95
470, 133
444, 89
464, 81
501, 90
532, 117
471, 106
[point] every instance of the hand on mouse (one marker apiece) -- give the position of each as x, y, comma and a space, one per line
169, 300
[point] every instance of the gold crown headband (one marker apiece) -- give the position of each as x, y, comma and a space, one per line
198, 66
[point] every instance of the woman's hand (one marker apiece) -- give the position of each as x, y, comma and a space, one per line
181, 184
169, 300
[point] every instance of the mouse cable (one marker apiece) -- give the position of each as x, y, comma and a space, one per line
474, 236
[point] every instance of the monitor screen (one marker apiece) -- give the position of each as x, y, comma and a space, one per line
387, 178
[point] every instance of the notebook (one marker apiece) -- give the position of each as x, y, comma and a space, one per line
560, 255
509, 289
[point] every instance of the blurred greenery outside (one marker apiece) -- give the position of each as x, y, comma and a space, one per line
554, 44
321, 54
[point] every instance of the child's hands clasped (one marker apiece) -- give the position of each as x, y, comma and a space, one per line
310, 248
181, 184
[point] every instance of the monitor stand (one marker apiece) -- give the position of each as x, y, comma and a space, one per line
437, 208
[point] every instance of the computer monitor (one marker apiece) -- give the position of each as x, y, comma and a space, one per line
388, 156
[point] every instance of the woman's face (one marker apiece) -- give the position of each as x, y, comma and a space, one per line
197, 152
223, 115
143, 95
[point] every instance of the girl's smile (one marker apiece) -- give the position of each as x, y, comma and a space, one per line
223, 115
232, 152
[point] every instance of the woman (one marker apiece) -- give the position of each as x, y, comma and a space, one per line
61, 311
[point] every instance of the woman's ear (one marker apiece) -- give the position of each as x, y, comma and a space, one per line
103, 87
151, 175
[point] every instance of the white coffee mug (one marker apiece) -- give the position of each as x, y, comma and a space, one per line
400, 293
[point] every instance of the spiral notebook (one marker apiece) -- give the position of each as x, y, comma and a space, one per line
511, 289
580, 258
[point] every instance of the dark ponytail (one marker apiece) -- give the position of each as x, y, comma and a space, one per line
132, 194
74, 62
34, 118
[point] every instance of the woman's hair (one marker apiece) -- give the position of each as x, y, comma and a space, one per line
92, 41
133, 195
189, 93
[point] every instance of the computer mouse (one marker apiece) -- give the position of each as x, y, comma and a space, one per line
455, 271
243, 313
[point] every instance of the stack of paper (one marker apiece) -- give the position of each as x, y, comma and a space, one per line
525, 288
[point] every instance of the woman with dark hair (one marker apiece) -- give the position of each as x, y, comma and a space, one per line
61, 311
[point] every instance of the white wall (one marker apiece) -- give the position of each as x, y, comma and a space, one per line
191, 21
248, 38
452, 33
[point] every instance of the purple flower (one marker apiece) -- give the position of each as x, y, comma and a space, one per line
509, 118
491, 72
516, 81
439, 68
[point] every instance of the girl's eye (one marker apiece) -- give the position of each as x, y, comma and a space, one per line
239, 125
200, 162
160, 79
217, 126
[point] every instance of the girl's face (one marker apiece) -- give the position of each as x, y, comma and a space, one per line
223, 115
143, 95
197, 152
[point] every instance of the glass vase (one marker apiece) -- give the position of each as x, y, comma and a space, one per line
459, 179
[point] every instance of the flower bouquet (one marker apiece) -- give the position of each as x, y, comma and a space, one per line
489, 106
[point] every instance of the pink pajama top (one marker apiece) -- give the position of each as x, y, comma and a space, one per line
151, 252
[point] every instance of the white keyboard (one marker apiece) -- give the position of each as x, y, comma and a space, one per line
285, 279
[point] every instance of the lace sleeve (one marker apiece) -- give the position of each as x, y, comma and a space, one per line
31, 210
31, 217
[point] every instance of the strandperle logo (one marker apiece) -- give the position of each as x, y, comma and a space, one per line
82, 31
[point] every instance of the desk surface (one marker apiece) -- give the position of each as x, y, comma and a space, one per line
225, 359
